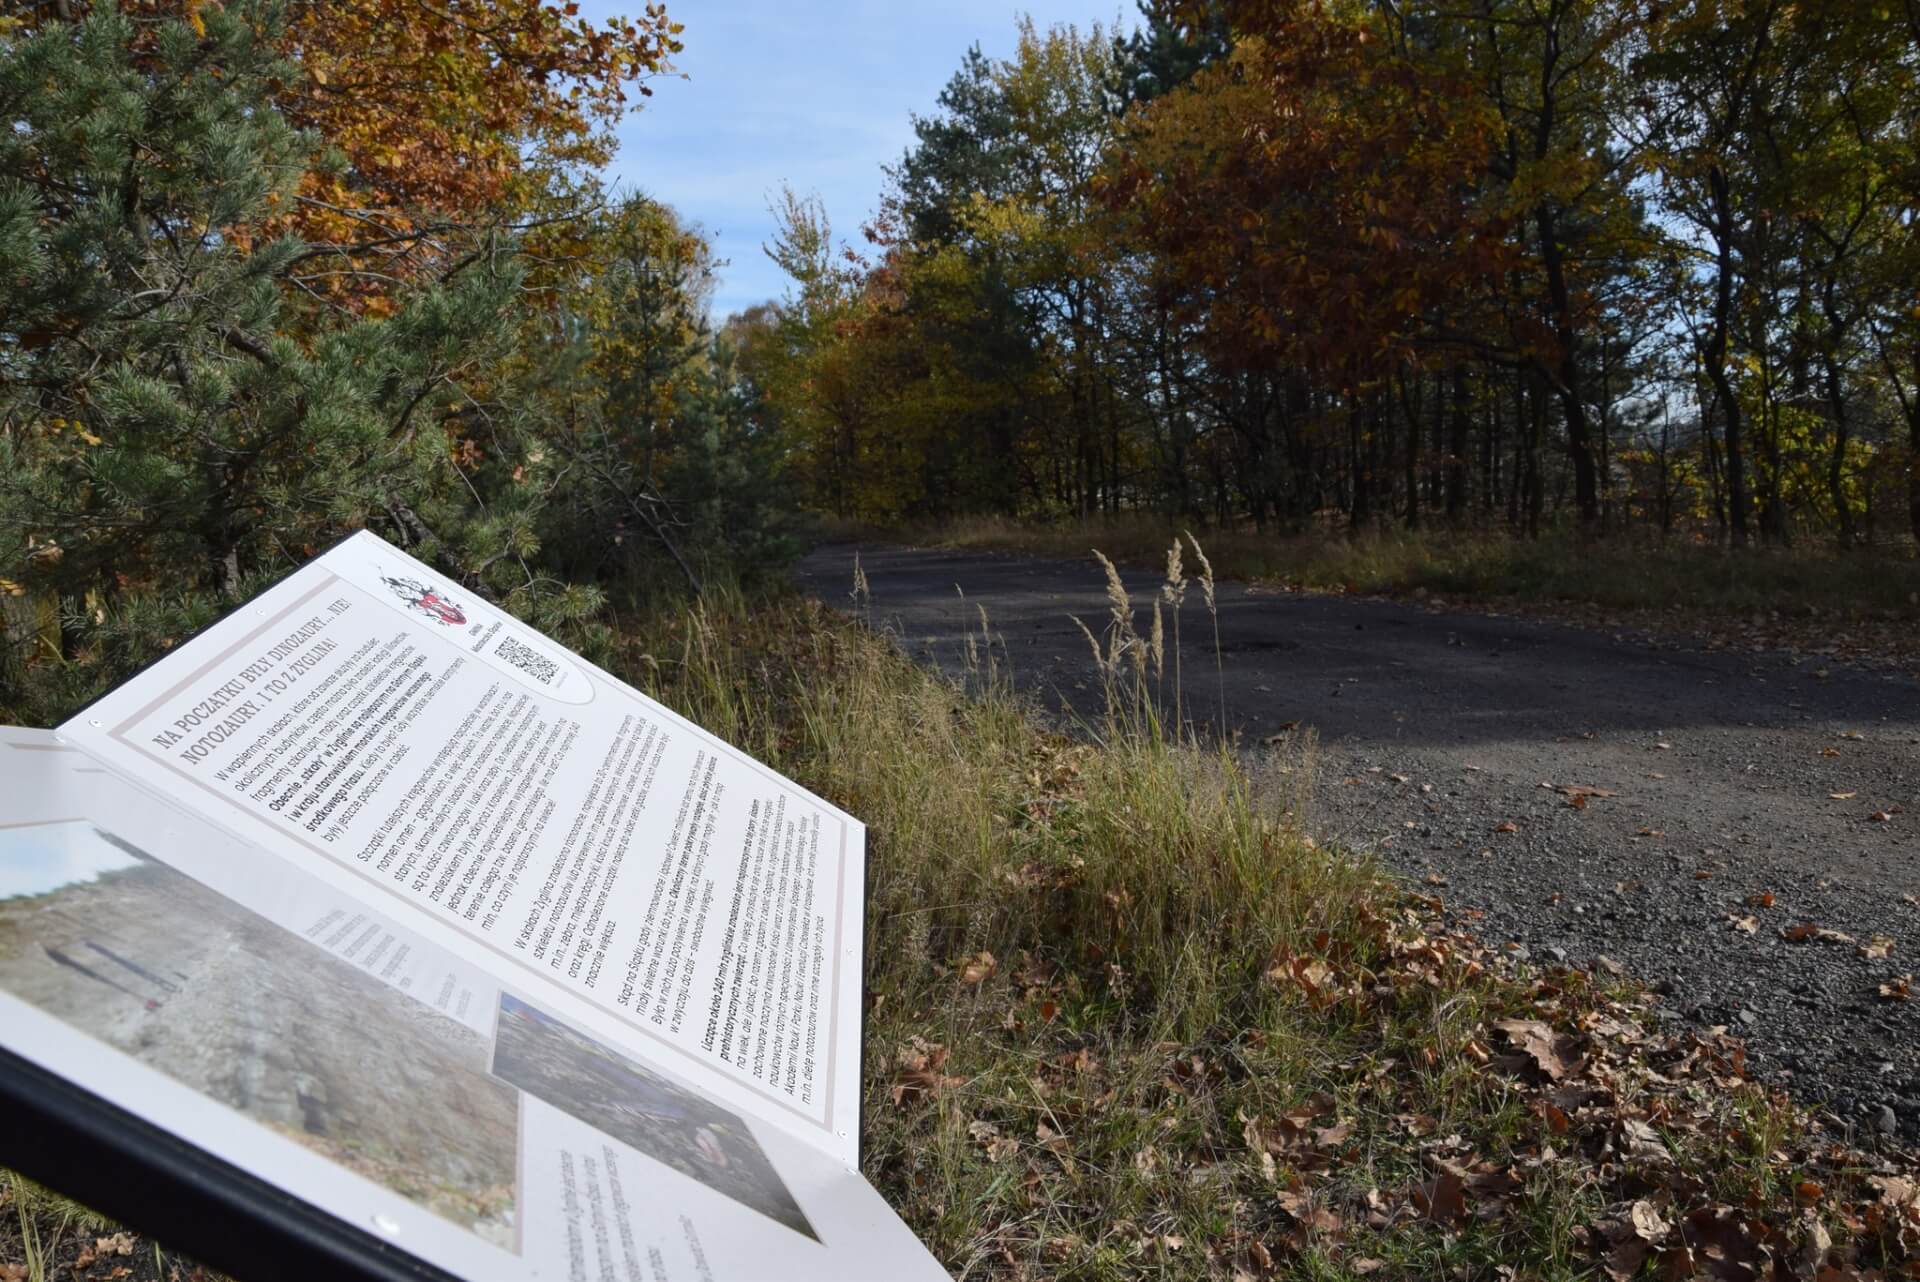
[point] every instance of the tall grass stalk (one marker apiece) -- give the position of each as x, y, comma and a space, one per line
1213, 612
1174, 592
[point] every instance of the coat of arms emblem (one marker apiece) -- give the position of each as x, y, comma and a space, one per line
431, 602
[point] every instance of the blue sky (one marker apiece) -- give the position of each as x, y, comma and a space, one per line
45, 857
814, 94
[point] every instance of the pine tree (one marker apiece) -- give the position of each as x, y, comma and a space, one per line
163, 441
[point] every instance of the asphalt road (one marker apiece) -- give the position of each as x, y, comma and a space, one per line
1737, 777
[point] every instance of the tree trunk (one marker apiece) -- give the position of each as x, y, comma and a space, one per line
1565, 370
1845, 532
1410, 402
1536, 431
1457, 450
1716, 361
1361, 509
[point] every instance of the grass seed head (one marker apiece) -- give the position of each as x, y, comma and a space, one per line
1093, 643
1157, 642
1206, 570
1118, 601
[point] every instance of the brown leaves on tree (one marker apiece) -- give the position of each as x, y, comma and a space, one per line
1322, 138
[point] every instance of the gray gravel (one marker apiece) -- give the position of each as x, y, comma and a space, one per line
1436, 731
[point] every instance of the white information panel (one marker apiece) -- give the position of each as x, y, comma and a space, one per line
493, 954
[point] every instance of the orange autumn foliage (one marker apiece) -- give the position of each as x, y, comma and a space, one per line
439, 115
1318, 192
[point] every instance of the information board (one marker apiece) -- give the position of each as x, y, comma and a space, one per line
379, 896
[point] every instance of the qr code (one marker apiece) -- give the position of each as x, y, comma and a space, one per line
527, 659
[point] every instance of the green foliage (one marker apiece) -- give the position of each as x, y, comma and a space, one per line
1280, 262
182, 420
1164, 52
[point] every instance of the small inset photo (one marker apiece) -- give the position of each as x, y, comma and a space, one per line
628, 1102
98, 933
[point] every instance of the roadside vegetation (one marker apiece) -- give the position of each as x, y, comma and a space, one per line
1854, 605
1127, 1018
1651, 575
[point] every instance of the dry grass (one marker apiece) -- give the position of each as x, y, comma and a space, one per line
44, 1236
1627, 573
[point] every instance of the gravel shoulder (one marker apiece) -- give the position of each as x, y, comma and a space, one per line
1751, 794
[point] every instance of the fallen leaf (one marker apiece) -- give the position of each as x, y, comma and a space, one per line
1443, 1198
1897, 990
1763, 899
1808, 930
920, 1074
1642, 1140
1506, 826
1555, 1055
1579, 790
1877, 947
978, 968
1647, 1222
1841, 796
1303, 1207
1746, 925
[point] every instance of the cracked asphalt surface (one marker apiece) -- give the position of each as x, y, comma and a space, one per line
1754, 793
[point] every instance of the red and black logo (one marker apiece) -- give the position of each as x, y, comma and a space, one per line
429, 601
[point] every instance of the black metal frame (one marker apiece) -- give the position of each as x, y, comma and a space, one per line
151, 1180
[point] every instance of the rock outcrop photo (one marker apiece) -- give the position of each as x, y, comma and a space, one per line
643, 1110
97, 933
